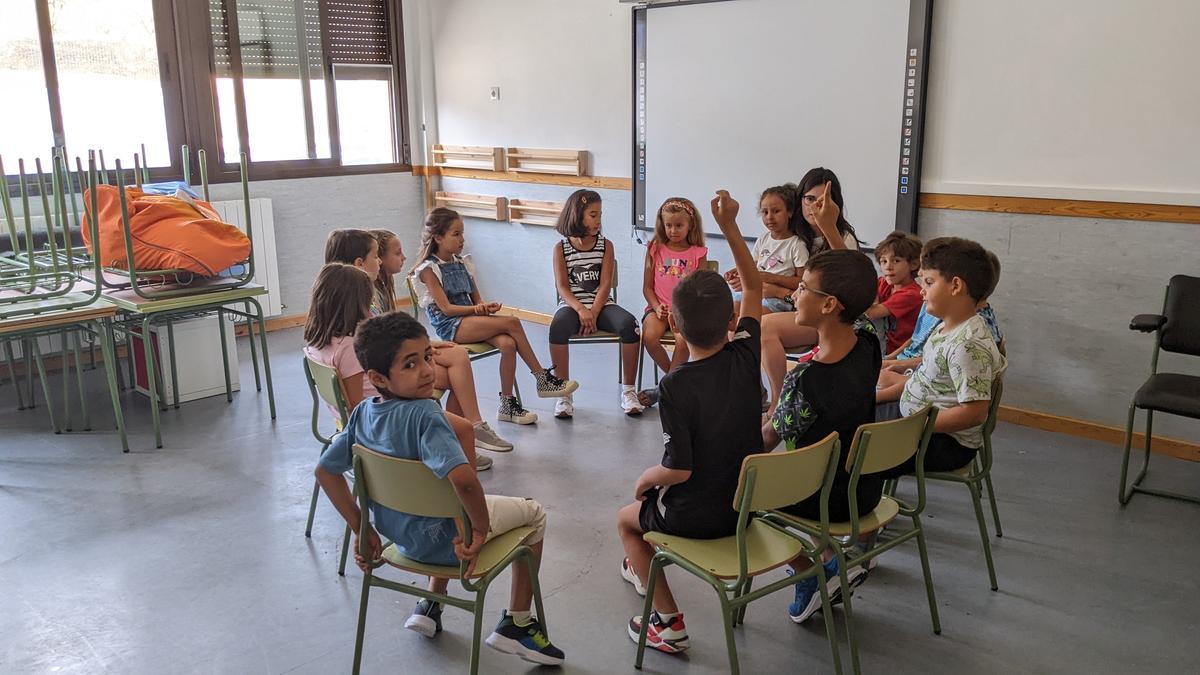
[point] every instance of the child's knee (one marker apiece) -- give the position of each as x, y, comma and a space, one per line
505, 344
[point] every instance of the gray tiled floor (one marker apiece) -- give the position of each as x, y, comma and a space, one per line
192, 558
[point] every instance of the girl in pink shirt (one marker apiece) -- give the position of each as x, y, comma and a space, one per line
677, 251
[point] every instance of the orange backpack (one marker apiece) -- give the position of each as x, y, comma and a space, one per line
168, 233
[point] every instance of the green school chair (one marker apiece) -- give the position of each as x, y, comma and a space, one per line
729, 564
977, 476
1176, 330
409, 486
877, 447
475, 350
325, 388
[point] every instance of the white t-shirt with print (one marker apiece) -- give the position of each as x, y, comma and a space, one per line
780, 256
956, 367
850, 241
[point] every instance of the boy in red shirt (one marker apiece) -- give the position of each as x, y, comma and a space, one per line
898, 298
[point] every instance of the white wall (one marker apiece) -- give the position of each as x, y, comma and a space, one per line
1072, 99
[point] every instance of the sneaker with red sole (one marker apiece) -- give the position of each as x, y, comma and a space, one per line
669, 638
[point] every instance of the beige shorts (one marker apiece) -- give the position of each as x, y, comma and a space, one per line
509, 513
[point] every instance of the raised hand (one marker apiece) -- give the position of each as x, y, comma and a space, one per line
725, 210
825, 211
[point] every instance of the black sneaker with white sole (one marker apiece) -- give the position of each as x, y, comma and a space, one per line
426, 619
529, 641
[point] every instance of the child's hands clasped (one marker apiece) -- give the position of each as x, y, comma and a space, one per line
734, 279
661, 311
470, 554
587, 321
493, 307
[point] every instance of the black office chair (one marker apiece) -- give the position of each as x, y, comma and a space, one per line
1176, 330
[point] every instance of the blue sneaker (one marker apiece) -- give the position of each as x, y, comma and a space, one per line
808, 599
528, 641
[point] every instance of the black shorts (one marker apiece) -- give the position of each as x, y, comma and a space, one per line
943, 454
693, 526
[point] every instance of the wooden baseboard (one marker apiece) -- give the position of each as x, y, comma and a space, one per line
1078, 208
1172, 447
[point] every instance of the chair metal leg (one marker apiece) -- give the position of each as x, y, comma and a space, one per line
830, 628
312, 509
362, 621
345, 553
991, 492
64, 346
266, 359
27, 350
151, 379
656, 565
739, 614
933, 610
174, 366
977, 501
12, 374
1126, 493
253, 347
535, 582
477, 633
847, 605
83, 408
728, 618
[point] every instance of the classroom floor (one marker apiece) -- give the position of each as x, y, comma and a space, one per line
192, 558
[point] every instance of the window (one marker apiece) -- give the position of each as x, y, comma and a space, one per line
304, 87
315, 80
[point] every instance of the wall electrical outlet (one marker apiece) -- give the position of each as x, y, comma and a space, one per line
494, 93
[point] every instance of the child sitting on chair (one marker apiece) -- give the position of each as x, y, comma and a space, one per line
404, 422
834, 391
961, 361
898, 297
711, 421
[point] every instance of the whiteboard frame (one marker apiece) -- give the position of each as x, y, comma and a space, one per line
908, 183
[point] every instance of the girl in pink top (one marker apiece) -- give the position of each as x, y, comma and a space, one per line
677, 251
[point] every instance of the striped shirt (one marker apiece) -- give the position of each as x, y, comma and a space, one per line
583, 269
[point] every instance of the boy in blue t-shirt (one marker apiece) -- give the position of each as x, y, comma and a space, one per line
403, 421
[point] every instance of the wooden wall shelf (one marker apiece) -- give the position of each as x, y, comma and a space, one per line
541, 160
476, 206
468, 156
534, 212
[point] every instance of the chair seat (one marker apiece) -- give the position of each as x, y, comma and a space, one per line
478, 347
598, 335
884, 513
766, 549
494, 551
1170, 393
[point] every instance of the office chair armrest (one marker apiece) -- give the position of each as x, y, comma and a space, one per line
1147, 323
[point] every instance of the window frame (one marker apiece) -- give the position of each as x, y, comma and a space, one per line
187, 75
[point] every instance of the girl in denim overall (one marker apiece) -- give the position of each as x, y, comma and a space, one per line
456, 312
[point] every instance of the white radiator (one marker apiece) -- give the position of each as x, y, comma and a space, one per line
266, 265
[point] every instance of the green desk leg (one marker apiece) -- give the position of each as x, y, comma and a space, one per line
174, 367
12, 373
87, 420
64, 343
262, 336
151, 379
224, 355
253, 354
36, 352
105, 332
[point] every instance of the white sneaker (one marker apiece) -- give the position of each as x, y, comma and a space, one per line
630, 403
564, 408
628, 574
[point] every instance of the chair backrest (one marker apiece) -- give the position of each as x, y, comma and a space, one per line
1181, 332
329, 387
993, 408
785, 478
712, 265
889, 444
412, 293
404, 485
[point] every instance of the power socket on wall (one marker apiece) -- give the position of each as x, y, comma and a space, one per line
494, 93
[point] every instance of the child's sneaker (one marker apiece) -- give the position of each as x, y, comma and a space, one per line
482, 463
564, 408
426, 619
808, 599
855, 576
629, 575
550, 386
528, 641
511, 411
487, 439
630, 403
669, 637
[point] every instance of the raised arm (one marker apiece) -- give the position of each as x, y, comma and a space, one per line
725, 209
826, 212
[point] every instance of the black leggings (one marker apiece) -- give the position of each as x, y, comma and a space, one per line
612, 319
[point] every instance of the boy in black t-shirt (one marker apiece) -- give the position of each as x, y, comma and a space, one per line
711, 416
834, 391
